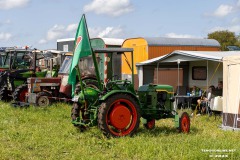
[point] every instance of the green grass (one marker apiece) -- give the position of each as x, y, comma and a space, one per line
37, 133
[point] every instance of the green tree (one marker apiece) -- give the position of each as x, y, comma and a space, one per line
238, 41
225, 38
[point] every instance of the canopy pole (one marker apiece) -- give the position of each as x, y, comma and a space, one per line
207, 75
178, 62
157, 72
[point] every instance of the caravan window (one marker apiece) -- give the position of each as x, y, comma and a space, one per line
199, 73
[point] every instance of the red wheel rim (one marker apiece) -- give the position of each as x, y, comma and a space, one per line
151, 124
121, 117
22, 95
185, 124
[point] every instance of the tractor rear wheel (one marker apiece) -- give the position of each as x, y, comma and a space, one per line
5, 94
150, 124
184, 123
42, 99
20, 93
119, 116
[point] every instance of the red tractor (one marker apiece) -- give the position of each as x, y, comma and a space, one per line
43, 91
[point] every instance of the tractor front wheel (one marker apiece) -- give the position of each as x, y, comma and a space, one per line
20, 93
184, 123
42, 99
119, 116
150, 124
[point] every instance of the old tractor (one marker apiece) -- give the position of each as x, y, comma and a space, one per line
43, 91
16, 66
116, 108
49, 64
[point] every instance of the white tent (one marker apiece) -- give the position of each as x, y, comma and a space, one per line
231, 92
208, 58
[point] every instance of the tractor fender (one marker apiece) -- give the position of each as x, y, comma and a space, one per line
114, 92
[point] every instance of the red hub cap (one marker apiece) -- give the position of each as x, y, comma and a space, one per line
120, 116
185, 124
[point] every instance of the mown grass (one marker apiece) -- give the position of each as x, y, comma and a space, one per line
37, 133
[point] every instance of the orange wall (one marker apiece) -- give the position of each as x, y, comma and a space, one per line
156, 51
140, 53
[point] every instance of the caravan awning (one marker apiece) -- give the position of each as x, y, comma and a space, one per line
180, 55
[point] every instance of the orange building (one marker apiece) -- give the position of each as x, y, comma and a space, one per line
148, 48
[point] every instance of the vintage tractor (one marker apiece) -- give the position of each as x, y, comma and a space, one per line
17, 66
116, 108
43, 91
49, 64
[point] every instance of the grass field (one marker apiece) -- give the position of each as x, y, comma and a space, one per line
47, 133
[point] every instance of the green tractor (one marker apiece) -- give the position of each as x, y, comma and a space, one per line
16, 66
116, 108
50, 65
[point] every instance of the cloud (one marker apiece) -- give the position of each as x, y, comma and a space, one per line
235, 28
59, 31
5, 36
42, 41
223, 10
72, 27
10, 4
174, 35
55, 32
109, 7
108, 32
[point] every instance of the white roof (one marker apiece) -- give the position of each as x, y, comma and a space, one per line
180, 55
65, 39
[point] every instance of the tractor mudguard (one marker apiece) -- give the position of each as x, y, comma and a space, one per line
113, 92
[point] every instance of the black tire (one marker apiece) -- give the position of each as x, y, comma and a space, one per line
150, 124
42, 99
119, 116
5, 94
20, 93
184, 123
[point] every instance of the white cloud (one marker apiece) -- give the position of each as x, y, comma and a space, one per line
235, 28
58, 32
5, 36
108, 32
9, 4
109, 7
223, 10
42, 41
72, 27
174, 35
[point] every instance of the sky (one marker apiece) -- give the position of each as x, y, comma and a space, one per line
39, 23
